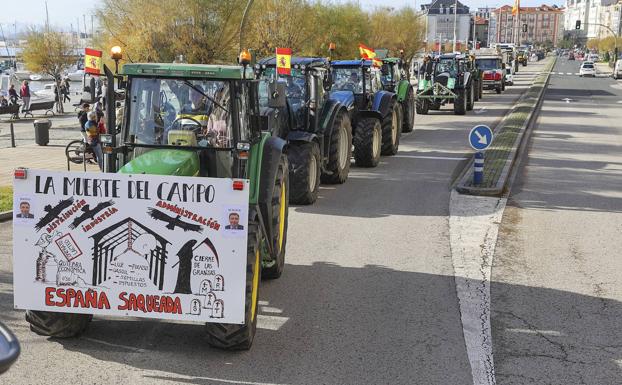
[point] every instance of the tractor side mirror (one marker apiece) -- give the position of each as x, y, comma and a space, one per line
9, 348
277, 95
328, 81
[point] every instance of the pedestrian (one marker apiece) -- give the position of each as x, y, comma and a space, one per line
83, 116
3, 101
64, 87
24, 92
91, 135
13, 94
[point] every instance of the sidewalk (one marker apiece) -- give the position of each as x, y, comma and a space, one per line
603, 68
65, 128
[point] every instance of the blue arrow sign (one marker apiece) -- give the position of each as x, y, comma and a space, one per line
480, 137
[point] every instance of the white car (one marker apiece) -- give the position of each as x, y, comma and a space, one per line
592, 57
617, 69
509, 75
587, 69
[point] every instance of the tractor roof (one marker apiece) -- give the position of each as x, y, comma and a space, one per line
451, 56
177, 70
392, 60
297, 60
351, 63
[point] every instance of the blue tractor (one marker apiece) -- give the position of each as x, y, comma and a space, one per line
317, 129
376, 114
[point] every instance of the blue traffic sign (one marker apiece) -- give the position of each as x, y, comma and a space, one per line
480, 137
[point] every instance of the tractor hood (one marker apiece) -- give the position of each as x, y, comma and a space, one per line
344, 97
164, 162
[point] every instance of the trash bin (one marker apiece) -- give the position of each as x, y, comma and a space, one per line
42, 131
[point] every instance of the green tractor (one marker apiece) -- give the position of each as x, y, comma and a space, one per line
202, 121
446, 79
395, 79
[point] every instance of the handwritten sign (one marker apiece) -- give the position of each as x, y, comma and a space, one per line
130, 245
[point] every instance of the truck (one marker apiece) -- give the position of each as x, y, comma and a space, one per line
493, 70
317, 129
193, 175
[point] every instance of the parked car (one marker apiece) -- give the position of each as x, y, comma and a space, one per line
587, 69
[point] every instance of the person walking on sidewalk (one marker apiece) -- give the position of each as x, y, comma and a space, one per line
83, 115
24, 92
13, 96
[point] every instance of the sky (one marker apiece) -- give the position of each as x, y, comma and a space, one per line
63, 13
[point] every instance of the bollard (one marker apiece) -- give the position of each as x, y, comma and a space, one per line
478, 165
12, 136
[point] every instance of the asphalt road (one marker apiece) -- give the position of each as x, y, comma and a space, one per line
367, 296
556, 286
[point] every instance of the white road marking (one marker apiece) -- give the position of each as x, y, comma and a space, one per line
137, 350
553, 333
270, 322
481, 110
428, 157
194, 379
567, 100
619, 102
473, 228
568, 73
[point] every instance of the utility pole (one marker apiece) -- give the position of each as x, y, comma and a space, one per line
92, 27
455, 22
84, 20
47, 18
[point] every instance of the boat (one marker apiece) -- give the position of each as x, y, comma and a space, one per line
76, 76
46, 92
40, 77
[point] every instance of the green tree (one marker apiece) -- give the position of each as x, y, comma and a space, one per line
47, 53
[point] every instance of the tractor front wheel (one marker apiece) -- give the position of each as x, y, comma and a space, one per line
234, 336
423, 105
460, 102
471, 98
340, 150
60, 325
367, 142
409, 112
391, 129
304, 172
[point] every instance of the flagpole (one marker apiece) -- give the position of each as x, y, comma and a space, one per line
455, 23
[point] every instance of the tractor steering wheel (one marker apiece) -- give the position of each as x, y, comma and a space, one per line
195, 122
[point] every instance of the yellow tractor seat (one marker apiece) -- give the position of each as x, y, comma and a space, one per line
182, 138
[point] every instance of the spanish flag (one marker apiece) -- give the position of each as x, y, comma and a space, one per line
284, 61
516, 7
92, 61
369, 54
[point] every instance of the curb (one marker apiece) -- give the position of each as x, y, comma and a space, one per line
498, 190
6, 216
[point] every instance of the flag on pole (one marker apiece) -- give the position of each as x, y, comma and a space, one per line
516, 7
369, 54
92, 61
284, 61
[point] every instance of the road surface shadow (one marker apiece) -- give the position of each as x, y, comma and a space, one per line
328, 324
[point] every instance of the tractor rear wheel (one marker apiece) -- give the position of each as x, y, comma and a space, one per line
481, 88
340, 151
234, 336
280, 211
409, 112
392, 129
423, 105
476, 90
367, 142
471, 98
304, 172
60, 325
460, 102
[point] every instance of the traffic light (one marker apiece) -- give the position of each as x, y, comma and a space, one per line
577, 25
524, 27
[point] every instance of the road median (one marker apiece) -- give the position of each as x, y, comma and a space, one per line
508, 135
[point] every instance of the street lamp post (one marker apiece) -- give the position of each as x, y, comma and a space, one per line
116, 55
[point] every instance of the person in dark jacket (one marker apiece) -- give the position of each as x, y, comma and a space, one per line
83, 115
13, 96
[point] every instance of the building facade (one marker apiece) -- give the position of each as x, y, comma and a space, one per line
440, 20
595, 17
544, 24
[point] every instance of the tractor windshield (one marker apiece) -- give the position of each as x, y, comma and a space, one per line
347, 79
179, 112
488, 64
447, 66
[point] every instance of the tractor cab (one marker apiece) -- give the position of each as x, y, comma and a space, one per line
393, 72
183, 119
305, 88
357, 79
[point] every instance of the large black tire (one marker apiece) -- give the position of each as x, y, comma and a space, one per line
60, 325
470, 98
503, 85
434, 104
498, 89
367, 142
408, 107
460, 103
304, 172
423, 105
392, 129
340, 151
481, 87
234, 336
280, 213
